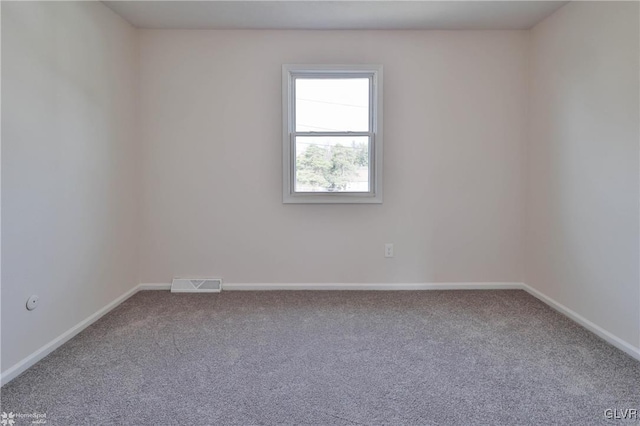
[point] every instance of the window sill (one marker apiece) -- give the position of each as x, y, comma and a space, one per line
338, 198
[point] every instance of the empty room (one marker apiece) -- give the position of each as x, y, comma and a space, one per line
320, 212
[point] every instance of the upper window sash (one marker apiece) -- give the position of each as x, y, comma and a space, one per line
369, 75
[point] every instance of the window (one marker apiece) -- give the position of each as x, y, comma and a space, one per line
332, 133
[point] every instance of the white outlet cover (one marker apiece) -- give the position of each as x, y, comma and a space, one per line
32, 303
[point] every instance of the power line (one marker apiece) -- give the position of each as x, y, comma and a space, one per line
332, 103
331, 145
318, 127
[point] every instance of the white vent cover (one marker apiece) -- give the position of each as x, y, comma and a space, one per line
196, 285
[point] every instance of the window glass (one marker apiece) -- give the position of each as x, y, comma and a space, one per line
332, 164
332, 104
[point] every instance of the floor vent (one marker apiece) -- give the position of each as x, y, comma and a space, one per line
196, 285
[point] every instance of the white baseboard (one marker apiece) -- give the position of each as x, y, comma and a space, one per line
371, 286
154, 286
595, 329
21, 366
45, 350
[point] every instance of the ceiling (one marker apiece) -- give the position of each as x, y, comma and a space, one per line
325, 15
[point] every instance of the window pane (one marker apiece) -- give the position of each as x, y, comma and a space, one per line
332, 164
332, 104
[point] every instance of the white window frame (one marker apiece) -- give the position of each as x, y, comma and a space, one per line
289, 74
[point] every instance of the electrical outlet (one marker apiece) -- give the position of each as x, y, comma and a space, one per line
388, 250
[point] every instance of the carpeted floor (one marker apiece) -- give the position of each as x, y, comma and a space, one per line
344, 358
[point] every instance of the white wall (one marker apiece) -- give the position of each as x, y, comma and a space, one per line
457, 112
582, 199
69, 169
455, 128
